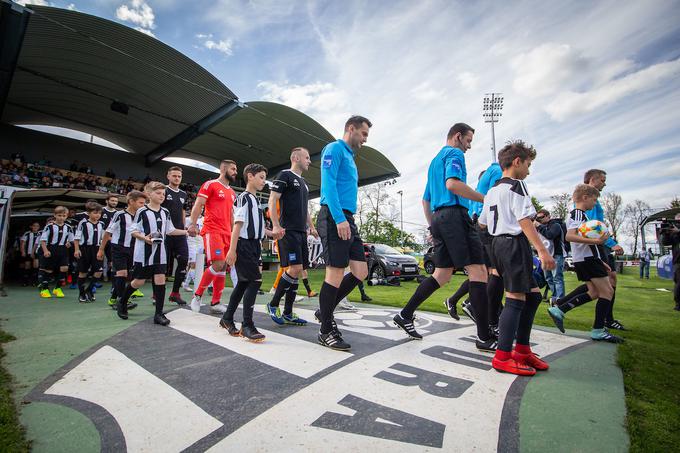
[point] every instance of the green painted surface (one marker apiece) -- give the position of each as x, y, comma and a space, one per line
577, 406
55, 429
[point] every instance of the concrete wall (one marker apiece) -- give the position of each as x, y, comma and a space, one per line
62, 151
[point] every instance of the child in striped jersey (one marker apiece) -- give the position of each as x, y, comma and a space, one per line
86, 244
55, 241
150, 227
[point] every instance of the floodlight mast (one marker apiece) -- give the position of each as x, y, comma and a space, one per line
493, 104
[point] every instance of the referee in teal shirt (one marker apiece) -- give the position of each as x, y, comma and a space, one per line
456, 240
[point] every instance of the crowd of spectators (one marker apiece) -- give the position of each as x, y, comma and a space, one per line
42, 175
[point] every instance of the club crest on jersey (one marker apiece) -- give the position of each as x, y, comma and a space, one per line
168, 197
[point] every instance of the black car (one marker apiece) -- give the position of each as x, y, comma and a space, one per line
428, 262
384, 261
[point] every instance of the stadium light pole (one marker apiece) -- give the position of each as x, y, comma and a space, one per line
493, 104
401, 216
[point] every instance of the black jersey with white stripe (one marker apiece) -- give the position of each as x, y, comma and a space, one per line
174, 203
506, 203
120, 228
88, 233
293, 203
580, 251
30, 239
57, 234
107, 216
79, 216
247, 210
154, 223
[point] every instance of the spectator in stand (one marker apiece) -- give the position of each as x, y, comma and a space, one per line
75, 166
551, 229
646, 256
110, 174
18, 158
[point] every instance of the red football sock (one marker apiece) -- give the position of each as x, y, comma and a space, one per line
218, 287
523, 348
503, 355
207, 278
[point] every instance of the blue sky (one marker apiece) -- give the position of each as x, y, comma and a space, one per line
590, 84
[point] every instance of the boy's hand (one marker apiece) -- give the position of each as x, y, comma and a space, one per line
192, 230
617, 249
100, 255
77, 254
278, 232
603, 239
148, 239
231, 257
609, 269
47, 254
68, 245
547, 261
313, 232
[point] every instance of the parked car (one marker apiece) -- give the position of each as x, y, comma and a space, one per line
384, 261
428, 262
569, 263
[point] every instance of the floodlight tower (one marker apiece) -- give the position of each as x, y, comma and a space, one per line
493, 104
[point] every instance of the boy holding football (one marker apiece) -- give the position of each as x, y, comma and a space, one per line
590, 268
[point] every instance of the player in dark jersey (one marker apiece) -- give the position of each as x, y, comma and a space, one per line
289, 226
176, 247
108, 211
86, 244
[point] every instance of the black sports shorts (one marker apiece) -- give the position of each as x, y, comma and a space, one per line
177, 248
590, 268
88, 261
293, 249
514, 262
337, 252
142, 272
456, 239
248, 259
121, 257
58, 257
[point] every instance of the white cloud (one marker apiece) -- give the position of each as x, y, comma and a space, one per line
146, 31
33, 2
225, 46
139, 13
468, 80
571, 103
71, 7
425, 92
546, 69
203, 35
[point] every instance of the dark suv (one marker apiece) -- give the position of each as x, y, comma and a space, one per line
384, 261
428, 262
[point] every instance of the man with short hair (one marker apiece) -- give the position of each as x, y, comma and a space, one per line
551, 229
456, 239
217, 196
646, 257
177, 248
289, 214
342, 245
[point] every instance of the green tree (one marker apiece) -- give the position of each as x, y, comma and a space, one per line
561, 205
675, 203
537, 204
384, 232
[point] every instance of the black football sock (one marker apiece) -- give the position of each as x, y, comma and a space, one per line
327, 296
509, 323
180, 272
291, 294
601, 310
526, 320
460, 292
426, 288
159, 298
284, 283
93, 282
305, 281
234, 300
58, 279
574, 302
610, 314
127, 292
81, 285
249, 302
494, 294
348, 283
480, 305
575, 292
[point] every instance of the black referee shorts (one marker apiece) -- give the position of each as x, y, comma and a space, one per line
456, 239
58, 257
88, 261
248, 259
514, 261
487, 252
121, 258
142, 272
590, 268
107, 251
177, 247
293, 249
337, 252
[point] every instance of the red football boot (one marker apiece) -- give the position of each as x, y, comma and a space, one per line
530, 360
513, 367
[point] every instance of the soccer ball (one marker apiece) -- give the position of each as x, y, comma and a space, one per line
592, 229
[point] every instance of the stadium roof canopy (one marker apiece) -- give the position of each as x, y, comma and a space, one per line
73, 70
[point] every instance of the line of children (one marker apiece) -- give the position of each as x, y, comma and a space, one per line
29, 244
